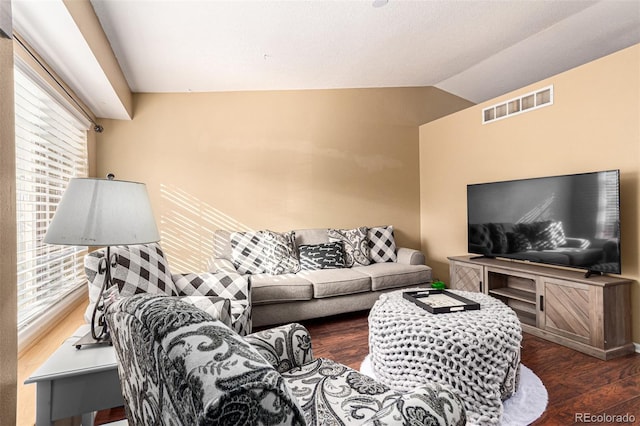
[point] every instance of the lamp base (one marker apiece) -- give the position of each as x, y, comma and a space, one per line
88, 340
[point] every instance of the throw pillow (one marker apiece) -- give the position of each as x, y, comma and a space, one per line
356, 245
382, 244
498, 238
518, 242
280, 253
142, 269
480, 236
550, 237
322, 256
247, 253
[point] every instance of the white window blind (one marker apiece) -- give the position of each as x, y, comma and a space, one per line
51, 148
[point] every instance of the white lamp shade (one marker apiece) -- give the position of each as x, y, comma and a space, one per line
103, 212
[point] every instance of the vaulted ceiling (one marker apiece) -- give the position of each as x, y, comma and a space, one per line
475, 49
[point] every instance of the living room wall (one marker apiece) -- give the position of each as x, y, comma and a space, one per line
592, 125
279, 160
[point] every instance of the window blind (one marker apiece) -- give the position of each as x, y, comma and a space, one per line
51, 148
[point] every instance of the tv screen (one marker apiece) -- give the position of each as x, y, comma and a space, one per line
570, 220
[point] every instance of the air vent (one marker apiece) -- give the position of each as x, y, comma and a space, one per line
525, 103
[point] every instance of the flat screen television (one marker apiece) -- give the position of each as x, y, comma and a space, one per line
570, 220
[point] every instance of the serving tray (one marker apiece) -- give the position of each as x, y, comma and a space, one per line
440, 301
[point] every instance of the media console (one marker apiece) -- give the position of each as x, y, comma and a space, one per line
591, 315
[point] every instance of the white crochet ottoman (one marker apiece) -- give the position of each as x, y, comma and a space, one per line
474, 353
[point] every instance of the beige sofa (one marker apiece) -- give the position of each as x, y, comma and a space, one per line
289, 297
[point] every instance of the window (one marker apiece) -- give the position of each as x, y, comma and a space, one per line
51, 148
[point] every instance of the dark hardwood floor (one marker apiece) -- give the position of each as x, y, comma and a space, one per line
576, 383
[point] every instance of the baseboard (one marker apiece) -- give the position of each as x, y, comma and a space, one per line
637, 345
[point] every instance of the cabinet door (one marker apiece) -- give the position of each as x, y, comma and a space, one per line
466, 276
565, 309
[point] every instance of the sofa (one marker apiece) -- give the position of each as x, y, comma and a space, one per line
180, 366
542, 241
311, 273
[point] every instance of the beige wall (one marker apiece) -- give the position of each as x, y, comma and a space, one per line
279, 160
594, 124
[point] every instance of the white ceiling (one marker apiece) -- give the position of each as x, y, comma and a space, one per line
475, 49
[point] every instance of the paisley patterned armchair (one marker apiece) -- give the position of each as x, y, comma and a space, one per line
179, 366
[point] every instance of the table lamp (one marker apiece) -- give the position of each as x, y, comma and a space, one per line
103, 213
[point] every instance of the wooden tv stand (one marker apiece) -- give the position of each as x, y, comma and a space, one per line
591, 315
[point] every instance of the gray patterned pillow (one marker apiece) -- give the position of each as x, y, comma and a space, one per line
356, 245
322, 256
382, 244
280, 253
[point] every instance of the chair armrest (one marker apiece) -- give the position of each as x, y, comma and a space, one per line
284, 347
428, 402
218, 264
410, 256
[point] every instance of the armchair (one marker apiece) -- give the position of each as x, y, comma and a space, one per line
179, 366
144, 269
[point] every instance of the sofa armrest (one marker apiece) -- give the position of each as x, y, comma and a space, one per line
410, 256
284, 347
576, 243
429, 401
218, 264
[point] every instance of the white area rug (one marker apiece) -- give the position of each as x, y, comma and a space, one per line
525, 406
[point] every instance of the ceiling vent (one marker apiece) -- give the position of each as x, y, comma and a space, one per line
525, 103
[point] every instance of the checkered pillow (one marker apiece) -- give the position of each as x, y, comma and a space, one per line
142, 269
382, 244
247, 252
222, 284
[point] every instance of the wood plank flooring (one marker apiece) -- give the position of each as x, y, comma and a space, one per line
576, 383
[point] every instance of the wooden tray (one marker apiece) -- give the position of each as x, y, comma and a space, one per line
440, 301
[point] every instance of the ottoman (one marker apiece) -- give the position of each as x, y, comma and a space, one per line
475, 354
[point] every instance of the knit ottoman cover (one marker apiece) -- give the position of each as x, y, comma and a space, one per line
475, 354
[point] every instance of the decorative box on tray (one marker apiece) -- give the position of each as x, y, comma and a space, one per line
440, 301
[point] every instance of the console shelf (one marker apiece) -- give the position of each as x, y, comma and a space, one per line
591, 315
513, 294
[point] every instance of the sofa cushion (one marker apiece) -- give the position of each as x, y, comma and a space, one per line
336, 282
280, 253
247, 252
266, 288
321, 256
382, 244
392, 275
356, 244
